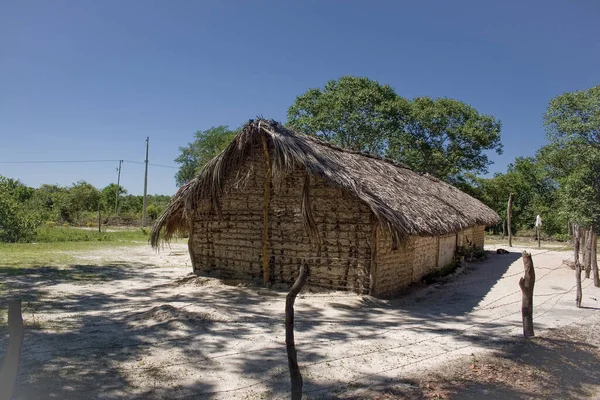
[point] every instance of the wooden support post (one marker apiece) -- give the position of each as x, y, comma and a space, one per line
508, 215
576, 235
537, 229
593, 256
265, 244
373, 266
526, 284
295, 375
8, 375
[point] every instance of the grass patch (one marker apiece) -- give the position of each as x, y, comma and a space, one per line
55, 245
56, 234
519, 241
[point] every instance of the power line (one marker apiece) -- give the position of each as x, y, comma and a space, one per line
84, 161
56, 161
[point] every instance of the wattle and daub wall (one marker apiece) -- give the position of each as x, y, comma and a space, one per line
354, 253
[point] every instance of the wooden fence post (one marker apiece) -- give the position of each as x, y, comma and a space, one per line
295, 375
594, 255
508, 224
8, 375
526, 284
576, 233
587, 252
99, 220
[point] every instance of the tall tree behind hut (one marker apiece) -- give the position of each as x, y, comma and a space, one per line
443, 137
196, 154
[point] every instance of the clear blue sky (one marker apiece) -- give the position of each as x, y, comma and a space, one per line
86, 79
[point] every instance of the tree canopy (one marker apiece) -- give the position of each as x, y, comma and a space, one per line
443, 137
354, 113
196, 154
572, 122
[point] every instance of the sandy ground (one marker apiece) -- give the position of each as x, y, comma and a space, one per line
126, 323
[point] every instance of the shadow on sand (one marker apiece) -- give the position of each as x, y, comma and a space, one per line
101, 349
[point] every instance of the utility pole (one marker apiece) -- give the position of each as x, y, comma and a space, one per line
118, 187
145, 185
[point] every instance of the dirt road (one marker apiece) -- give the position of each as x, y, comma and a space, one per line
124, 324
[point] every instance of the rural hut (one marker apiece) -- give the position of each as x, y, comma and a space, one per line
275, 198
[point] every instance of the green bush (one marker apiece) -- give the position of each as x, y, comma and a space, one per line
15, 224
470, 253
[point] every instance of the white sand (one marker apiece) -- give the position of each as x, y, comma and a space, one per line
124, 324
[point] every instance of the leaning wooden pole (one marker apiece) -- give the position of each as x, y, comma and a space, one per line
295, 375
526, 284
578, 294
8, 375
508, 215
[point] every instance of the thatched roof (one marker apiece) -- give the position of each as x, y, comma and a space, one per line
405, 202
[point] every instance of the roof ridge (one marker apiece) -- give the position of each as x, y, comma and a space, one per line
277, 125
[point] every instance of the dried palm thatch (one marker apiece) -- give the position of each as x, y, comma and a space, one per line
405, 202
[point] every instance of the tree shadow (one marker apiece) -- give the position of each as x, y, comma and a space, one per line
170, 338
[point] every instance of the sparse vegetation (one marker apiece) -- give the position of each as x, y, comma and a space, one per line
440, 273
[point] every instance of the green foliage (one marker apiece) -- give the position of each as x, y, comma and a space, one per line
22, 209
108, 196
470, 253
574, 117
54, 234
572, 123
355, 113
195, 155
535, 192
15, 224
153, 211
443, 137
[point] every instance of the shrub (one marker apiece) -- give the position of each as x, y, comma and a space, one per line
470, 253
15, 225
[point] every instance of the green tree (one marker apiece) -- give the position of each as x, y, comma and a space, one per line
108, 195
196, 154
572, 122
351, 112
15, 224
445, 138
535, 192
84, 197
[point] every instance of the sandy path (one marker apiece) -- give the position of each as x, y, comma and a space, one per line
121, 325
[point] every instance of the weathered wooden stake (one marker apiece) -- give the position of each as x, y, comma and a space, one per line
593, 256
587, 253
8, 375
526, 284
295, 375
577, 264
508, 224
537, 229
